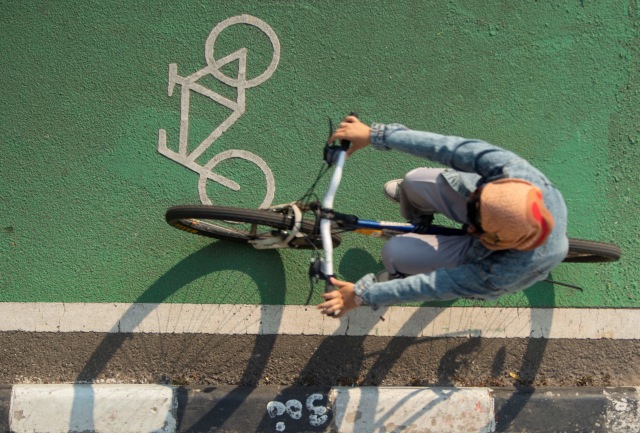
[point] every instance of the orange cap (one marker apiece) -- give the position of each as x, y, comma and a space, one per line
513, 215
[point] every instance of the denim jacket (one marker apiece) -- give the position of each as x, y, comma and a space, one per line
483, 274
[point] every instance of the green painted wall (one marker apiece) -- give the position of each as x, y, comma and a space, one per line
84, 95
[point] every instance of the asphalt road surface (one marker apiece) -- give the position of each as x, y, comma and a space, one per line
288, 360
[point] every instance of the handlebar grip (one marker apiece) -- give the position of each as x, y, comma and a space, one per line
346, 143
328, 288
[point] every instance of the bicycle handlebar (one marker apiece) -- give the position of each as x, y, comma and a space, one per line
337, 155
325, 224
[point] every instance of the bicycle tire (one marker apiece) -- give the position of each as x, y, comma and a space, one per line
216, 222
585, 251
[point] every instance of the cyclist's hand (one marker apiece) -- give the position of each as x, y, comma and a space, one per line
355, 131
342, 300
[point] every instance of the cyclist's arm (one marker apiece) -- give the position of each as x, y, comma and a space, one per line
462, 154
440, 285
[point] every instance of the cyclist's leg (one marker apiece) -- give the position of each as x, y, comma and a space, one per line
413, 253
425, 191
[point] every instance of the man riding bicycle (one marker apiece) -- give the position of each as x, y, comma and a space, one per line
515, 217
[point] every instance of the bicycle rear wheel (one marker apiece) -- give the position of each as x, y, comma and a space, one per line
581, 250
244, 225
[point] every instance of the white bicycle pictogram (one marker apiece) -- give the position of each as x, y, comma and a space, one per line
190, 84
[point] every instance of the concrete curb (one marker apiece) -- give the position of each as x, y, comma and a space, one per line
169, 409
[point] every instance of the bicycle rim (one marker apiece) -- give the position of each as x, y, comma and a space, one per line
585, 251
242, 225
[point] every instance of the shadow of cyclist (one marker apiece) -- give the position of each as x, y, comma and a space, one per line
340, 360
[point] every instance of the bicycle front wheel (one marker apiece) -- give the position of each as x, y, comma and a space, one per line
244, 225
585, 251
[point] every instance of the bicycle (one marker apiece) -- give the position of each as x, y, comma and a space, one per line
310, 224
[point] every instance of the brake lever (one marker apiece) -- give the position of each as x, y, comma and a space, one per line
315, 271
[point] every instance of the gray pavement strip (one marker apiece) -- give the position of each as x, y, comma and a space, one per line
361, 409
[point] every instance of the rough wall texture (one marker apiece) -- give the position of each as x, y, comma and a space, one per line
84, 95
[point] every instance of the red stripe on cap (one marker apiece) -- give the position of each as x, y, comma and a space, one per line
543, 223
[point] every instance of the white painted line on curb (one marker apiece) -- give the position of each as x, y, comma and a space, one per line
92, 408
230, 319
437, 410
